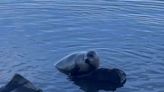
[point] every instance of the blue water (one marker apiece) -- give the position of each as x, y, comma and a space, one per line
127, 34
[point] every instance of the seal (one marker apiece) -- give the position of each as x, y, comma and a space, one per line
78, 62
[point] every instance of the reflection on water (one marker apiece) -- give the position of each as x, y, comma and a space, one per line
128, 34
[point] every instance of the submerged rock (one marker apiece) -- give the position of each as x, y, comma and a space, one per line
19, 84
100, 79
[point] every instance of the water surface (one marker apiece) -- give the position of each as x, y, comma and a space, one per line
127, 34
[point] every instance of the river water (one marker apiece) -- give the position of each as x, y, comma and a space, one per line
127, 34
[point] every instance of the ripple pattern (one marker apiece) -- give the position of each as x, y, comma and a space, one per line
128, 34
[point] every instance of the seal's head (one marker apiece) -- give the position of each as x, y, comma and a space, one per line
93, 58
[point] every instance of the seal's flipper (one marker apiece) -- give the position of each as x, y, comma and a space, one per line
75, 70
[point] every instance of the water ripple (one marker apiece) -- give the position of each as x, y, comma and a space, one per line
127, 34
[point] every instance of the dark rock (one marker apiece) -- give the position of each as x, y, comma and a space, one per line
100, 79
19, 84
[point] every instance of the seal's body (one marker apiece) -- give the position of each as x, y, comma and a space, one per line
77, 61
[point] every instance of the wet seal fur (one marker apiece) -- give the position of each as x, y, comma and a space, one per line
76, 62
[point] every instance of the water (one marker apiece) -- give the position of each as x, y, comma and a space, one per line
127, 34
